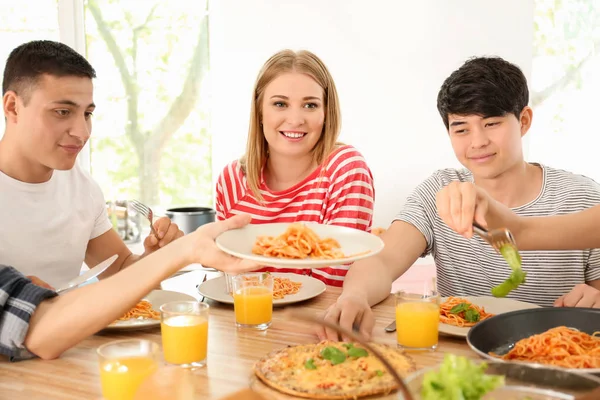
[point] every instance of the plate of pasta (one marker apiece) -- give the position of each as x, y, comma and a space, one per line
299, 245
567, 338
287, 288
146, 313
459, 314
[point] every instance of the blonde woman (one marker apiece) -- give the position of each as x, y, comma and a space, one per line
294, 169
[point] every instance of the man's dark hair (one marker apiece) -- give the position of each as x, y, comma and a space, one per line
30, 61
485, 86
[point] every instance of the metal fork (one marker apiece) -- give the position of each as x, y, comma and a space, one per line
146, 212
496, 237
203, 280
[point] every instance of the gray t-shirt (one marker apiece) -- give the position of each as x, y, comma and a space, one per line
471, 267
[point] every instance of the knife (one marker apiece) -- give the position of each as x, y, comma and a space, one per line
92, 273
391, 327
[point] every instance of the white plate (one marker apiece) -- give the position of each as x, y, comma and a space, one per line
214, 289
157, 298
354, 243
492, 305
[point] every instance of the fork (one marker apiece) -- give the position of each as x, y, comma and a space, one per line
203, 280
146, 212
496, 237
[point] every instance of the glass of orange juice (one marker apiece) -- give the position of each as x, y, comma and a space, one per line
184, 331
417, 319
124, 365
253, 300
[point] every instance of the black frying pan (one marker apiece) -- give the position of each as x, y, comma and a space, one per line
499, 333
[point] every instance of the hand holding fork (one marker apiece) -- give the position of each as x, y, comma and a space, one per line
466, 209
163, 231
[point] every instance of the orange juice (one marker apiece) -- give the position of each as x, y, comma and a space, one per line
253, 305
184, 338
417, 324
121, 377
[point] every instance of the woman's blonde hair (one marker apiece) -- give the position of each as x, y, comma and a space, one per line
303, 62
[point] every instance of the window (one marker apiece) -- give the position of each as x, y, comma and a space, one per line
22, 21
565, 85
151, 136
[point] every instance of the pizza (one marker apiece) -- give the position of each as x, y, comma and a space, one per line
332, 370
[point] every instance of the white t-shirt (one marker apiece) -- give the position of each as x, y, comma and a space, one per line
45, 227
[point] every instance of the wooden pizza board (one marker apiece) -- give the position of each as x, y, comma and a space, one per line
268, 393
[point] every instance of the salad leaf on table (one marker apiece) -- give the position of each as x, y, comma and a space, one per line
458, 378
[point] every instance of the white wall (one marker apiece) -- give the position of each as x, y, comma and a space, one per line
388, 59
565, 132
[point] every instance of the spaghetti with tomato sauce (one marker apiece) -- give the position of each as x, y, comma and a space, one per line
143, 309
298, 242
560, 346
462, 313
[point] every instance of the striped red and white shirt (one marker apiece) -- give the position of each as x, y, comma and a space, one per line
341, 195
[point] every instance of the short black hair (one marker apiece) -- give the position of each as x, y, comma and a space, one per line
485, 86
31, 60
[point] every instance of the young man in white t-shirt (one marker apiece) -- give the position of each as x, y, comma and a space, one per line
53, 214
483, 105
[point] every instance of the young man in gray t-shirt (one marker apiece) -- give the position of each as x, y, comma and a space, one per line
484, 107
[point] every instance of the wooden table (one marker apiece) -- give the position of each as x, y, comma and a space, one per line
231, 355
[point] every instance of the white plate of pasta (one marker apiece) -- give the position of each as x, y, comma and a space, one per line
299, 245
454, 320
287, 289
146, 314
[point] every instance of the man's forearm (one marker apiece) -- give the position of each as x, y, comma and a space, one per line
576, 231
120, 263
132, 259
62, 322
369, 278
373, 277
